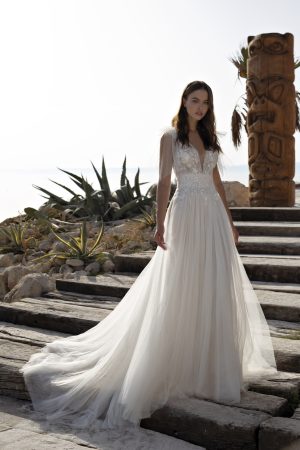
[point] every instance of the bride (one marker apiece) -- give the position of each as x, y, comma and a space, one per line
190, 325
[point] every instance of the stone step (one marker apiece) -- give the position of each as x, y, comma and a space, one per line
269, 245
291, 288
110, 284
94, 286
265, 214
212, 425
277, 304
199, 421
288, 229
23, 428
57, 315
280, 305
274, 268
75, 317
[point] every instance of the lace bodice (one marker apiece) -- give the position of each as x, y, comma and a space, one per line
187, 166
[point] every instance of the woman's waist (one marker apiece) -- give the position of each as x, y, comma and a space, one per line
195, 183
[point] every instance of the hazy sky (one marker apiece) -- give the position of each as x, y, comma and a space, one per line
82, 79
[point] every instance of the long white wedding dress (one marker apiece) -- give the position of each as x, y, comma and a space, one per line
190, 325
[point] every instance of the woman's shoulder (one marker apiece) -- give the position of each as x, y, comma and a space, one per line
169, 131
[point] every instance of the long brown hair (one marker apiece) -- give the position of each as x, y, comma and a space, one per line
206, 127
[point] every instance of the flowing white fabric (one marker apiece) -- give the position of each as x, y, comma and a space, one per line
190, 325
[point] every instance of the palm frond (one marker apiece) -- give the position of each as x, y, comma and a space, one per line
297, 105
236, 125
240, 61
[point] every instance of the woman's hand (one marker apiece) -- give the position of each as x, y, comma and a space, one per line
159, 236
235, 234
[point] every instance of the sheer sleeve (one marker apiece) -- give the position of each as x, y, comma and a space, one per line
164, 179
165, 157
220, 164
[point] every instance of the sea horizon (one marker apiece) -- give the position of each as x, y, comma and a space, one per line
17, 191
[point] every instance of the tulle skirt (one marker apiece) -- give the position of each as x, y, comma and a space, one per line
190, 325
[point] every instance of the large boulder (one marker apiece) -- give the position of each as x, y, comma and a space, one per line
237, 194
14, 275
31, 285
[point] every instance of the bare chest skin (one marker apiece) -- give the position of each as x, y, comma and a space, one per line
196, 141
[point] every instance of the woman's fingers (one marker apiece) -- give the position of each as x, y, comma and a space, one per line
160, 240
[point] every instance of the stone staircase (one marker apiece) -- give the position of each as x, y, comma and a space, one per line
268, 416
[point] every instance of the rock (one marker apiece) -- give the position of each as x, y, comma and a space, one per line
19, 257
69, 276
14, 275
33, 254
145, 245
3, 285
40, 267
31, 285
76, 263
133, 244
237, 194
58, 247
74, 234
80, 273
45, 246
65, 269
57, 262
93, 268
53, 271
108, 266
118, 229
7, 260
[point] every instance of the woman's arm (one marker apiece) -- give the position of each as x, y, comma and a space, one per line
162, 197
163, 186
220, 188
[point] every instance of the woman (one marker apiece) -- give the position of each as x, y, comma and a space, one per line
190, 325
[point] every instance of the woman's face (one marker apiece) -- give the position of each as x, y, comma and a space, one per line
197, 104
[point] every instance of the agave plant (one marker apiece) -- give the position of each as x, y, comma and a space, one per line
100, 204
240, 112
40, 217
148, 219
130, 198
89, 204
80, 247
15, 234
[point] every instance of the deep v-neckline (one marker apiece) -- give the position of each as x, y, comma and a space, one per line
199, 157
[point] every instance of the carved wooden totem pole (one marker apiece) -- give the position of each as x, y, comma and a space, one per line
271, 119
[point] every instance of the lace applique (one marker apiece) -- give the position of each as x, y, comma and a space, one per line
191, 176
189, 158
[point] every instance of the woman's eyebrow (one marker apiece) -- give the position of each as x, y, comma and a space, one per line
196, 98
